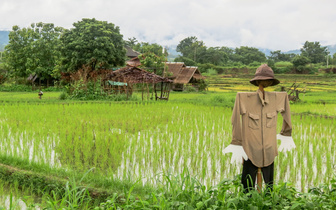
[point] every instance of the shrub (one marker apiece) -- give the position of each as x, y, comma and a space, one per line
63, 96
189, 89
210, 72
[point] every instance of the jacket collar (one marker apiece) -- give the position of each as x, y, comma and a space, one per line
261, 97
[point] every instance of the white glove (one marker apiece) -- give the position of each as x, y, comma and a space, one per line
237, 153
287, 143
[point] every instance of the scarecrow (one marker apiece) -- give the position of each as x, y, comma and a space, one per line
254, 123
40, 94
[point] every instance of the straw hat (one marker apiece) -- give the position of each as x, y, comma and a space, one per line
264, 72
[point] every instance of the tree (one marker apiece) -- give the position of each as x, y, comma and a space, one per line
33, 50
93, 43
153, 56
215, 55
300, 60
17, 50
193, 49
277, 56
145, 47
45, 50
247, 55
314, 52
131, 42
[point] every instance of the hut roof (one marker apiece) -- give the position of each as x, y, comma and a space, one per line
131, 53
185, 75
175, 68
132, 74
134, 62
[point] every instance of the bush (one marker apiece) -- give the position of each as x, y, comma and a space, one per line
189, 89
210, 72
63, 96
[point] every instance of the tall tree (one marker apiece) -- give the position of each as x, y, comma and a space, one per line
247, 55
33, 50
94, 43
192, 48
314, 52
153, 56
17, 50
131, 42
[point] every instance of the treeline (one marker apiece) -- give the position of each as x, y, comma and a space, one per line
195, 53
44, 50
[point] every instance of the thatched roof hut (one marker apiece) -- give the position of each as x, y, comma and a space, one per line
182, 74
131, 53
134, 75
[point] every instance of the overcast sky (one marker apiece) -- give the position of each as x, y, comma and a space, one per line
273, 24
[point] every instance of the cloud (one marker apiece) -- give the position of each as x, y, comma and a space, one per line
272, 24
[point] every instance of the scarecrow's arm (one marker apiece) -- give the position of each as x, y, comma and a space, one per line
285, 135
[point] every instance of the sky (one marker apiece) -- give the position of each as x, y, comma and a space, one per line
273, 24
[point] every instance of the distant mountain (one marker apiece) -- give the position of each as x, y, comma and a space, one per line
293, 51
3, 39
332, 49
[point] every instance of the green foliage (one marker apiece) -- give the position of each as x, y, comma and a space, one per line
185, 192
15, 88
210, 72
93, 90
277, 56
192, 48
189, 89
185, 60
152, 62
131, 42
282, 67
145, 47
248, 55
314, 52
33, 50
215, 55
63, 96
97, 44
300, 60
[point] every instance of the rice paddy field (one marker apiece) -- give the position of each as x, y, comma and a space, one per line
142, 141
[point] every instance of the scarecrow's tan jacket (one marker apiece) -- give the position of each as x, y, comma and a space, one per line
254, 123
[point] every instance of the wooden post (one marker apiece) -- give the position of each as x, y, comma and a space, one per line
259, 180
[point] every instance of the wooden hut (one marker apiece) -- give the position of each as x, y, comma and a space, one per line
183, 75
132, 75
131, 53
134, 62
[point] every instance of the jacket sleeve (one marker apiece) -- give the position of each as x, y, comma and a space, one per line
284, 109
236, 122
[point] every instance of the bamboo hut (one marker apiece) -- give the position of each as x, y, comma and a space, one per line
183, 75
132, 75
